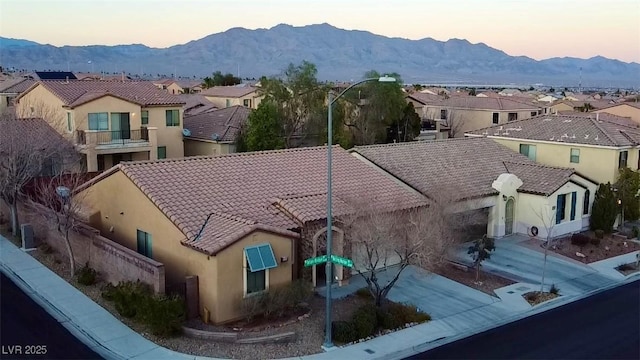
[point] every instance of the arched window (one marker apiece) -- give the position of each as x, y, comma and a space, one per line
585, 202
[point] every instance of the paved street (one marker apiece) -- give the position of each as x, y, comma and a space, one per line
28, 332
604, 326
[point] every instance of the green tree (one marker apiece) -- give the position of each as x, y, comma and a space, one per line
264, 128
300, 99
382, 105
220, 79
604, 210
406, 128
480, 251
207, 82
472, 92
627, 187
241, 140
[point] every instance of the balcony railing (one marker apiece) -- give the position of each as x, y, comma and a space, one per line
118, 137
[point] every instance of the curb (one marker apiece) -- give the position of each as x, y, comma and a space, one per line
534, 311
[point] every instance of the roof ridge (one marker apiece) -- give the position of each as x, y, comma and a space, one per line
605, 132
409, 143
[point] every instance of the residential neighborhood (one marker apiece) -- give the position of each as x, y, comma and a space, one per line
256, 212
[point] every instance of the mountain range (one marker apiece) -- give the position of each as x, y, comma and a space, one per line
338, 54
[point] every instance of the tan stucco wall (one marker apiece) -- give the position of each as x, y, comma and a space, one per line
45, 105
174, 89
560, 107
624, 111
197, 148
169, 136
122, 209
108, 104
598, 164
221, 102
231, 270
471, 120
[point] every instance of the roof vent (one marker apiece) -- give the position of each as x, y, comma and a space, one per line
186, 132
215, 137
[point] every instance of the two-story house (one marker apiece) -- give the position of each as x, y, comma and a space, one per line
214, 132
226, 96
593, 147
109, 121
460, 114
625, 109
12, 88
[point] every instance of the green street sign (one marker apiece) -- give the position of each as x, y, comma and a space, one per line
341, 261
315, 260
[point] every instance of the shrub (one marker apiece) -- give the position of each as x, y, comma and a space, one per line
163, 314
532, 296
394, 315
635, 231
344, 331
299, 292
595, 241
554, 289
251, 306
127, 297
365, 320
364, 293
86, 275
604, 210
599, 234
46, 248
579, 239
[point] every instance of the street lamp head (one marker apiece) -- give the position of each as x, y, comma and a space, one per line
386, 79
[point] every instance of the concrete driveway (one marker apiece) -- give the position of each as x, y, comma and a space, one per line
514, 261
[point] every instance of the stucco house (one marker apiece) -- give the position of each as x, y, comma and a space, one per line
195, 104
214, 132
592, 146
240, 222
484, 176
181, 86
625, 109
11, 89
460, 114
109, 121
226, 96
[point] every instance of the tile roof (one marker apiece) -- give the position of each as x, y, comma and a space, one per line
224, 122
193, 102
466, 166
479, 103
604, 117
228, 91
570, 129
597, 104
16, 86
265, 190
634, 104
37, 130
77, 92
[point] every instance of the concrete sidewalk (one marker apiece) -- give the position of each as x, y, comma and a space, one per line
458, 311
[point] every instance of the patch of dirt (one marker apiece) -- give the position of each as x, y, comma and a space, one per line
537, 297
610, 246
6, 232
486, 282
626, 269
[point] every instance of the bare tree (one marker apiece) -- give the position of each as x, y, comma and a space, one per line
455, 123
25, 152
390, 241
58, 200
547, 216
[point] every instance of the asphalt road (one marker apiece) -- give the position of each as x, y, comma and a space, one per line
28, 332
603, 326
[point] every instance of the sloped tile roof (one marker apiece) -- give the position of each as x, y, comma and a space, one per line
466, 166
634, 104
621, 120
77, 92
16, 86
224, 122
37, 130
475, 102
569, 129
228, 91
248, 191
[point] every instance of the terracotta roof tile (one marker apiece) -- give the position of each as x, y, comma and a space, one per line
77, 92
570, 129
243, 190
224, 122
228, 91
475, 102
16, 86
35, 129
468, 166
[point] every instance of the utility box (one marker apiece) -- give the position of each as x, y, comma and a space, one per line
28, 241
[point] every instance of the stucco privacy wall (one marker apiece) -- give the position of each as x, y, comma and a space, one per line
114, 262
202, 147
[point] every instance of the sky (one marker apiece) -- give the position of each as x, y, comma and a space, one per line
539, 29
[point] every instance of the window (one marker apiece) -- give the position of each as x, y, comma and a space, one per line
585, 202
496, 118
98, 121
443, 114
512, 117
69, 123
173, 117
574, 197
622, 159
144, 117
528, 151
162, 152
575, 156
144, 244
228, 103
247, 103
534, 113
258, 260
561, 207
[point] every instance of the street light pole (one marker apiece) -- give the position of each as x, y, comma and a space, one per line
328, 342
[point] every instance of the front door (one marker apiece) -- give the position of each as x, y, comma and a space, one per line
120, 126
508, 217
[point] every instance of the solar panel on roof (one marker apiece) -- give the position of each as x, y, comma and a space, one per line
56, 75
